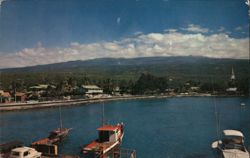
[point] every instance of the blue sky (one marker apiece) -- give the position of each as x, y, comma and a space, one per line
34, 27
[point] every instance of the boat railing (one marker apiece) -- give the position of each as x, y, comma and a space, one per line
118, 153
125, 153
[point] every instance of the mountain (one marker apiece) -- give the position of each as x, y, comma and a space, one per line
183, 68
106, 62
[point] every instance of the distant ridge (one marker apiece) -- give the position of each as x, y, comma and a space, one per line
127, 71
122, 62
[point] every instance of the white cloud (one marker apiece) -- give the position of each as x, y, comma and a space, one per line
118, 20
1, 1
238, 28
170, 30
221, 29
138, 33
143, 45
195, 29
247, 2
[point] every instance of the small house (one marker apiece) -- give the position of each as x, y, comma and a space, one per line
92, 90
5, 97
21, 97
194, 89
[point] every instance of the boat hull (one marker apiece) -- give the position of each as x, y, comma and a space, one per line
58, 135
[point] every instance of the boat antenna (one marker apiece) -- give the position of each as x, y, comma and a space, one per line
216, 113
60, 117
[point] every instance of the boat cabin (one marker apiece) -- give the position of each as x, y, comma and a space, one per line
233, 136
109, 133
59, 133
55, 133
233, 139
232, 145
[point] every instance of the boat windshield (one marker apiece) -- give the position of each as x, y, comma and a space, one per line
233, 139
234, 146
14, 153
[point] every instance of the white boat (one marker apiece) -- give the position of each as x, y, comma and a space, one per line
25, 152
110, 136
232, 145
242, 104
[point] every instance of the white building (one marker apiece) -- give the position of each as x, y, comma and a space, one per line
92, 89
233, 87
232, 75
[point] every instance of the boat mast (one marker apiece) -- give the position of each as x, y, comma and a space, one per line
60, 117
103, 115
216, 113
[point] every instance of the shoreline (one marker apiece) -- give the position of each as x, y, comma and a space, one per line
72, 102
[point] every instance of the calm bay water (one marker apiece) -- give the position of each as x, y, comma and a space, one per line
162, 128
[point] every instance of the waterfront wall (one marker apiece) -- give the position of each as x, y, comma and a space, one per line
71, 102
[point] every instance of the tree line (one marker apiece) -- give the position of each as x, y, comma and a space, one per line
146, 83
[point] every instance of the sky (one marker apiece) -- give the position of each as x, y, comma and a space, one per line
34, 32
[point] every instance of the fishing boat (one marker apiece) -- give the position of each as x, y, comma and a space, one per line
110, 136
58, 134
232, 145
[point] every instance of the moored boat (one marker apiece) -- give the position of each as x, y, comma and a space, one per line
242, 104
232, 145
49, 145
25, 152
58, 135
110, 136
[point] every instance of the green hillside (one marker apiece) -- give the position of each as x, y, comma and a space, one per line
119, 70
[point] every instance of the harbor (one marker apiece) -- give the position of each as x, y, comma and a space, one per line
159, 122
124, 79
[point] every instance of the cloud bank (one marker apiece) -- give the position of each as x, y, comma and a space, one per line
168, 43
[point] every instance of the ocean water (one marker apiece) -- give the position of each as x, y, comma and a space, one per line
181, 127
